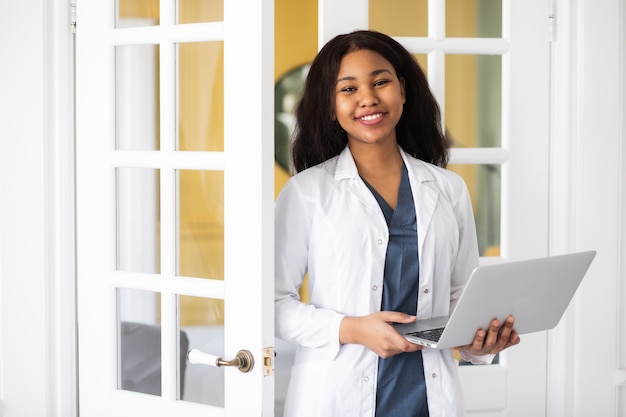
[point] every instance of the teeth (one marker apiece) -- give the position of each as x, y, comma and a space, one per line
371, 116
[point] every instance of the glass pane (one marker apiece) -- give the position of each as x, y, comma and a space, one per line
484, 184
201, 96
139, 341
137, 97
473, 113
404, 18
474, 19
202, 323
138, 236
198, 11
201, 224
422, 61
133, 13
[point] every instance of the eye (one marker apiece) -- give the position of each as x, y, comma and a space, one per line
347, 89
380, 82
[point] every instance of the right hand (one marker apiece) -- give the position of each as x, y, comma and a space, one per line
376, 332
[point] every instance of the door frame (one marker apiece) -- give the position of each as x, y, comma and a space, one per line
51, 275
37, 172
588, 115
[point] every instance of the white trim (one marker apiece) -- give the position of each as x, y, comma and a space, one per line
585, 200
478, 46
621, 302
559, 378
59, 210
354, 15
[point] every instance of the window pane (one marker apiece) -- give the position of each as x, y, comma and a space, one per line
403, 18
198, 11
137, 97
139, 341
133, 13
422, 60
474, 19
201, 224
202, 322
473, 111
138, 220
201, 96
484, 184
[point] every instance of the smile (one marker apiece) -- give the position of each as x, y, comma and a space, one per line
371, 117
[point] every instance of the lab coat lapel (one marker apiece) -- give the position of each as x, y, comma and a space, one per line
425, 199
346, 170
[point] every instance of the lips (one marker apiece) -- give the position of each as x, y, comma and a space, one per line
370, 118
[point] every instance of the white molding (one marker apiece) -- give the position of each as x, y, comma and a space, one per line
59, 211
621, 319
563, 92
586, 192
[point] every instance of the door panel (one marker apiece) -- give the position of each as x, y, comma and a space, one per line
174, 234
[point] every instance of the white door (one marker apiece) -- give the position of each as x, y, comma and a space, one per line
505, 46
174, 206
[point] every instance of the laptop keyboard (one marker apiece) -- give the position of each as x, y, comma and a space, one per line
430, 334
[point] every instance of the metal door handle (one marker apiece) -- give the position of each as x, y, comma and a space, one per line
244, 361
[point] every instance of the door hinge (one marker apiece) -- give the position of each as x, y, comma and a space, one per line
268, 361
552, 21
73, 15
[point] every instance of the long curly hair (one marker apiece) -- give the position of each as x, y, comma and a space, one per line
318, 136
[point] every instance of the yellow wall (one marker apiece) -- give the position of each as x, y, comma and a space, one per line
295, 43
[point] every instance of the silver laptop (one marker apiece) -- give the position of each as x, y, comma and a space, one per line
535, 291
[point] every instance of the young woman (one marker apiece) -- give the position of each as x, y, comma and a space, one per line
385, 233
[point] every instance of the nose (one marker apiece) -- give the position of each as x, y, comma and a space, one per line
367, 97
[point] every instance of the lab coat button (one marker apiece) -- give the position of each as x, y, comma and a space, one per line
380, 241
426, 290
366, 379
374, 287
434, 375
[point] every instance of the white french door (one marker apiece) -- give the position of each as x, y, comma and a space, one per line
509, 66
174, 206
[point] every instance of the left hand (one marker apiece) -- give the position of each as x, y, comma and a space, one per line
495, 340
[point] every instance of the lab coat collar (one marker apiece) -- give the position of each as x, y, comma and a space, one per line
425, 197
346, 167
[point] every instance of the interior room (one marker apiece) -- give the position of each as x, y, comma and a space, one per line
145, 141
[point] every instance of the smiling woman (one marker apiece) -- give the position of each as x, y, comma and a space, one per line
371, 199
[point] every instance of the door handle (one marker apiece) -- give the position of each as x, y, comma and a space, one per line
244, 361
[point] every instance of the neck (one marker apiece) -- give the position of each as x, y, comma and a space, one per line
374, 160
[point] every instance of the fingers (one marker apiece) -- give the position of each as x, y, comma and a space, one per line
396, 317
497, 338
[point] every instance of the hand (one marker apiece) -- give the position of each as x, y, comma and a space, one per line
376, 332
495, 340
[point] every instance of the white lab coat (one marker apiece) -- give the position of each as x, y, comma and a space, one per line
329, 224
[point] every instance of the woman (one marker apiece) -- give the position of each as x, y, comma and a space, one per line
385, 233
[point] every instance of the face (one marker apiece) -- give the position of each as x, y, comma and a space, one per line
368, 98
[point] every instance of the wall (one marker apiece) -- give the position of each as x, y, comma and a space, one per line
23, 261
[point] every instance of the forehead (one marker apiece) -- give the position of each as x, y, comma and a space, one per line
363, 61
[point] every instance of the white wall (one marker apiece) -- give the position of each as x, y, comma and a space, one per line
22, 208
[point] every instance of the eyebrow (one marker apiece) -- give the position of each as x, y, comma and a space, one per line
373, 74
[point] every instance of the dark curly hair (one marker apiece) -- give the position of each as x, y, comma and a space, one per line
318, 137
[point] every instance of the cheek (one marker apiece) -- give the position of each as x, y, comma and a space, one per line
342, 111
